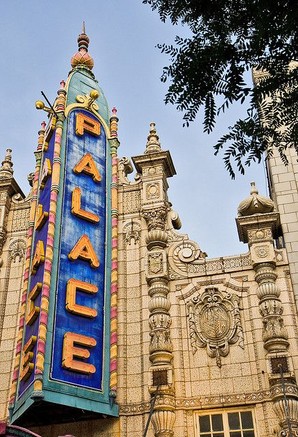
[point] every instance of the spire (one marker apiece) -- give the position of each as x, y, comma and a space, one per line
82, 57
153, 144
6, 170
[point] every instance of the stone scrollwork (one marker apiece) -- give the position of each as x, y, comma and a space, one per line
214, 322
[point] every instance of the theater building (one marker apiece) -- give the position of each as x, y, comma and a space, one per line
115, 324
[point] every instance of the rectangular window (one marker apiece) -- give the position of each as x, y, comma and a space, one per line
226, 424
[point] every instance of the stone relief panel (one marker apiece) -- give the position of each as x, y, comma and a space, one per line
214, 322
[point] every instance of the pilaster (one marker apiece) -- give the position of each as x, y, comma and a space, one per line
155, 166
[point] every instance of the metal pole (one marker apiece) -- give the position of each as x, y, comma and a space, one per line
285, 400
153, 400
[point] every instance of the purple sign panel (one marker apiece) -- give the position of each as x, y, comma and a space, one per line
36, 280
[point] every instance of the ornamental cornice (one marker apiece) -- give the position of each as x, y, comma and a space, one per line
197, 403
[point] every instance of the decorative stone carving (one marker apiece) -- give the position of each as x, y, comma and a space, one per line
17, 250
153, 191
155, 217
132, 232
160, 333
20, 220
124, 168
132, 201
163, 422
214, 322
275, 336
156, 264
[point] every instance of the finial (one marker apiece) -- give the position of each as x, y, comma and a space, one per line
114, 123
153, 144
6, 170
255, 204
253, 189
83, 28
82, 57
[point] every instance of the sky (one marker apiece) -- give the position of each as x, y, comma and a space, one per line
38, 39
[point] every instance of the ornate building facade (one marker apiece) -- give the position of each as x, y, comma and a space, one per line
113, 323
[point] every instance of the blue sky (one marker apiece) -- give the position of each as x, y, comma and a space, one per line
38, 39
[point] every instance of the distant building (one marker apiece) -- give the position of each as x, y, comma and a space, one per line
112, 323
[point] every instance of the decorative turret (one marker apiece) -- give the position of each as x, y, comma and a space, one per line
82, 57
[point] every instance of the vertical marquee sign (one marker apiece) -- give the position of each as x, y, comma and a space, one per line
78, 334
65, 346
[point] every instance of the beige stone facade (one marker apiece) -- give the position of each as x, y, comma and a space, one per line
206, 347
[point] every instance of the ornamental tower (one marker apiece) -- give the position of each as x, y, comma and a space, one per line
65, 353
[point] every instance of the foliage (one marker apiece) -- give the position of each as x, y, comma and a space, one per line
229, 38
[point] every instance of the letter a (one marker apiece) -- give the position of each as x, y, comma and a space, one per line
88, 166
83, 249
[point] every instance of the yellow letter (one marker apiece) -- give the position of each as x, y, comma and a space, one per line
38, 256
32, 310
86, 124
71, 290
83, 249
76, 207
70, 350
87, 165
27, 365
41, 217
